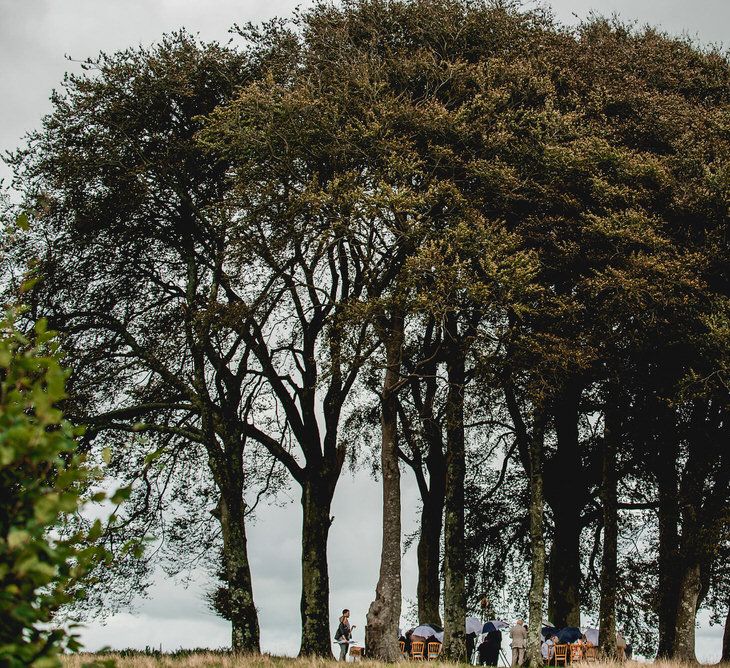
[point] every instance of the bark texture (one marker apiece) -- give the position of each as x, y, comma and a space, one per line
243, 616
316, 521
609, 561
668, 483
566, 497
537, 543
381, 631
684, 639
429, 553
454, 544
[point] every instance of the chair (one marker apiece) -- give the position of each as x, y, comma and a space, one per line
591, 653
402, 646
576, 652
417, 649
356, 653
560, 654
433, 651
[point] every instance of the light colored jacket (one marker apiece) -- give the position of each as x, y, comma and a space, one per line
518, 633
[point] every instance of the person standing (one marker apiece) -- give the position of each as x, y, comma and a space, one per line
518, 633
344, 634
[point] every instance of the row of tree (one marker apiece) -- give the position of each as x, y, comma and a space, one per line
492, 248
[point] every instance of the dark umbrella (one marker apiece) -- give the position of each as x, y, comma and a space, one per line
494, 625
569, 634
549, 631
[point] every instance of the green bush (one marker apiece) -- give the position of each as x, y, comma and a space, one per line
42, 477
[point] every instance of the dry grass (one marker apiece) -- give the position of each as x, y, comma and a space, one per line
204, 660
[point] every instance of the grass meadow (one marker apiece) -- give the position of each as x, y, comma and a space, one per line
223, 660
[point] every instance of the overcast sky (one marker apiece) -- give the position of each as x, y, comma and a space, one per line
35, 35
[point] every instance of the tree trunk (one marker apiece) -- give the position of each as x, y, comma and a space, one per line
241, 608
726, 640
429, 552
316, 501
609, 561
684, 634
537, 542
565, 494
381, 632
454, 545
668, 514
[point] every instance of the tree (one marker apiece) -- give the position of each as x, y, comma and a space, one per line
130, 238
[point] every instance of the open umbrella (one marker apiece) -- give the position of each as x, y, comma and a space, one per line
494, 625
428, 631
549, 632
569, 634
473, 625
591, 635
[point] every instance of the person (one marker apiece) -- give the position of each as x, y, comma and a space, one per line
547, 647
344, 634
518, 633
620, 647
489, 649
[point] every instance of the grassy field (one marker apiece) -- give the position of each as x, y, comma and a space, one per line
219, 660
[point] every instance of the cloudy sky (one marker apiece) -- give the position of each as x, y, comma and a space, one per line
35, 37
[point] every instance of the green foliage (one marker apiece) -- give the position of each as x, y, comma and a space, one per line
42, 478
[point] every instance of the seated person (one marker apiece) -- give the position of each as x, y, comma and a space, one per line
546, 648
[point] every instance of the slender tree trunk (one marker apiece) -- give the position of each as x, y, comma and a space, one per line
609, 561
381, 632
668, 513
316, 502
684, 634
429, 552
243, 616
454, 545
565, 493
726, 639
537, 543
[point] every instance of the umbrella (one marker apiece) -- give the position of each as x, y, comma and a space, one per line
428, 630
494, 625
591, 635
549, 631
569, 634
473, 625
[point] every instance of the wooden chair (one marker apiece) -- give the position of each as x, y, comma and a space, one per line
356, 653
560, 655
417, 649
433, 651
576, 652
591, 653
402, 646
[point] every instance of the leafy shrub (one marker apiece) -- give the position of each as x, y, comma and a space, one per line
42, 477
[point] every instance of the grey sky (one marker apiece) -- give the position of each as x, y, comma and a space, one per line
34, 37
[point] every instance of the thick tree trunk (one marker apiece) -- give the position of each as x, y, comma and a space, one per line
381, 632
609, 561
241, 608
565, 494
726, 640
684, 634
429, 552
316, 502
454, 545
668, 513
537, 543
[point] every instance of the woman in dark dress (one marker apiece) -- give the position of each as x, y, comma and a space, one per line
489, 649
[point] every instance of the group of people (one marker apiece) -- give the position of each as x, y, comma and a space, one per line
490, 645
